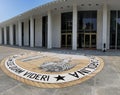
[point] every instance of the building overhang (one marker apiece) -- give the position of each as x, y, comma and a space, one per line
63, 5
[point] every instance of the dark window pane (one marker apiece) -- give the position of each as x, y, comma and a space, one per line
87, 41
66, 24
112, 29
118, 31
44, 31
87, 26
14, 34
93, 41
7, 36
81, 41
66, 29
2, 35
22, 33
63, 40
69, 40
87, 21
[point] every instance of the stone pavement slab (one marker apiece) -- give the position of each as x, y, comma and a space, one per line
107, 82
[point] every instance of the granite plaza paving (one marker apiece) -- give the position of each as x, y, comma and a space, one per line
107, 82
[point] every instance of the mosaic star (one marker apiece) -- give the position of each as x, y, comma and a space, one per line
60, 78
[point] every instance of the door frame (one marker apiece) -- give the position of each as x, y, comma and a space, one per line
66, 40
90, 42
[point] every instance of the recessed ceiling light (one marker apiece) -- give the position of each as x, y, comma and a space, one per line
89, 4
55, 8
68, 6
61, 7
82, 4
65, 0
97, 4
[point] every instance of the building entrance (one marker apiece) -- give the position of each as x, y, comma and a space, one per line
115, 29
14, 34
66, 33
66, 40
87, 40
44, 31
87, 29
3, 36
90, 41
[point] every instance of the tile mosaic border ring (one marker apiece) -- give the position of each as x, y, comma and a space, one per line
58, 70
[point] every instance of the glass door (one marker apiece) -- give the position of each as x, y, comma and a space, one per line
87, 42
8, 35
2, 35
93, 41
69, 40
80, 40
115, 29
90, 41
66, 40
63, 41
14, 34
44, 31
66, 30
87, 29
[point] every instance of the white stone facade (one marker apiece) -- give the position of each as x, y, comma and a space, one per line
33, 35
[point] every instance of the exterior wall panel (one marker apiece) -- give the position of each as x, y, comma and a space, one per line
55, 19
17, 36
56, 33
26, 33
38, 32
99, 29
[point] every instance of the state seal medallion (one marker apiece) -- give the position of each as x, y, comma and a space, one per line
51, 70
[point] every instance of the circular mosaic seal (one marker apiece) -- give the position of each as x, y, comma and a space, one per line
51, 70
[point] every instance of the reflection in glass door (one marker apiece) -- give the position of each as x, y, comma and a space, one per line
87, 41
66, 30
115, 29
69, 39
87, 29
66, 40
63, 41
90, 41
93, 41
80, 40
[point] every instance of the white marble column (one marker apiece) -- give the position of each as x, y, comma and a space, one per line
11, 34
5, 35
31, 32
49, 34
20, 33
74, 31
0, 35
105, 23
